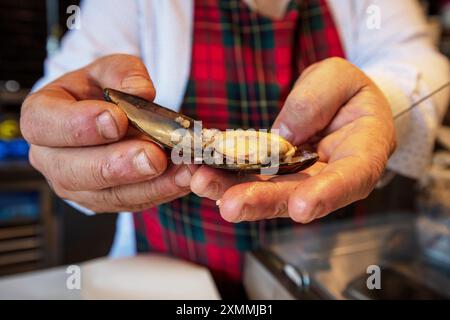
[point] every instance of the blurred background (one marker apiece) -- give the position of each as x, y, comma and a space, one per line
38, 230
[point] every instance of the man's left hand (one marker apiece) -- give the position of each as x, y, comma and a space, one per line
335, 106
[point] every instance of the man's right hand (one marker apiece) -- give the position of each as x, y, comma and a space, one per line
84, 147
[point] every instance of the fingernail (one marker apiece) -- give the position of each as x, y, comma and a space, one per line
134, 82
218, 203
107, 126
183, 177
143, 165
285, 132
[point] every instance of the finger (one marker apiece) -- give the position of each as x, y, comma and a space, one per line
258, 200
369, 102
316, 98
139, 196
122, 72
54, 116
212, 183
332, 141
253, 201
50, 119
354, 167
100, 167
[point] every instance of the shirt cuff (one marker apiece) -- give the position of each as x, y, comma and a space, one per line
80, 208
416, 129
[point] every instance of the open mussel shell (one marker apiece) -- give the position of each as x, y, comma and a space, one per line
159, 123
155, 121
303, 159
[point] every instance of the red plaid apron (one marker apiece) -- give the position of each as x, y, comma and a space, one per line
243, 67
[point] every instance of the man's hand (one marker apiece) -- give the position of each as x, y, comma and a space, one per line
83, 145
340, 110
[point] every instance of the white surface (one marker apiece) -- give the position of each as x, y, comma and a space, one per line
40, 285
146, 277
400, 58
140, 277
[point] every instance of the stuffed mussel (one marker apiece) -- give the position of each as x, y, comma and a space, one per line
246, 151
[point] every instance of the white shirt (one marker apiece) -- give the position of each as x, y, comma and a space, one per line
399, 56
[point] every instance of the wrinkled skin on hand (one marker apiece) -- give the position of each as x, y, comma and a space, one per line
89, 154
336, 107
85, 148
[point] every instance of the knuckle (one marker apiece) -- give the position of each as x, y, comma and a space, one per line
61, 173
379, 165
132, 59
299, 105
115, 198
102, 172
347, 68
111, 169
53, 169
152, 190
280, 203
365, 189
91, 200
341, 64
296, 104
370, 176
337, 61
281, 209
41, 159
120, 58
59, 190
305, 104
351, 187
71, 174
135, 60
73, 129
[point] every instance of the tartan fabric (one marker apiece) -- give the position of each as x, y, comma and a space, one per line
243, 67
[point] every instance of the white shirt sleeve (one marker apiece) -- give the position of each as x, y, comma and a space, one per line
107, 27
401, 59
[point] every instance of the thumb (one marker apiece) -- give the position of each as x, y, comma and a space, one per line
122, 72
316, 97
